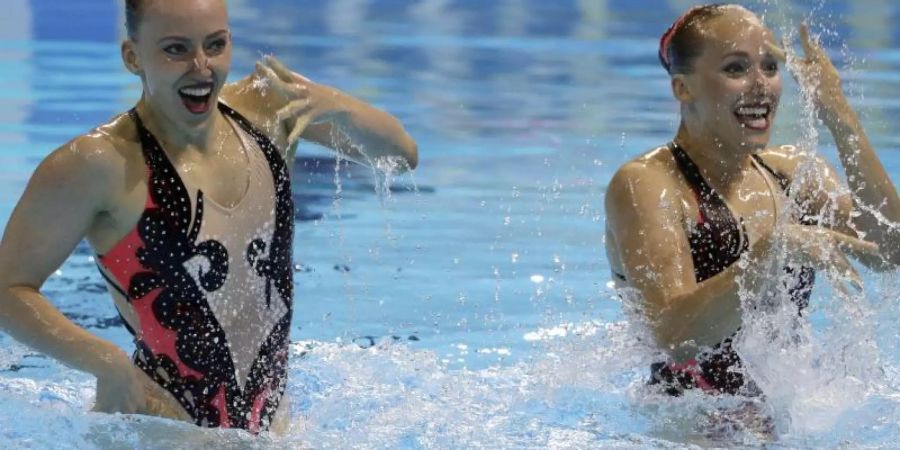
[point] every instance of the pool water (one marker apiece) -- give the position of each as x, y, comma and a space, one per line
466, 305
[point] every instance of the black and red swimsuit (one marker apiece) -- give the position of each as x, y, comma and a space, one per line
717, 241
209, 287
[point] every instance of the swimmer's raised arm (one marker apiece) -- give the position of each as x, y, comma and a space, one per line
873, 209
301, 108
65, 194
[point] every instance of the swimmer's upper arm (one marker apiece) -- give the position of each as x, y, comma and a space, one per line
62, 198
644, 214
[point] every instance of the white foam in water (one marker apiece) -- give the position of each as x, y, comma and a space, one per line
583, 389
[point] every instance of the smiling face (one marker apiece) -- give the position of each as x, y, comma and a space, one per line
182, 52
734, 86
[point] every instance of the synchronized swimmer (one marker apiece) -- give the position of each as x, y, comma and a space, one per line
726, 189
186, 201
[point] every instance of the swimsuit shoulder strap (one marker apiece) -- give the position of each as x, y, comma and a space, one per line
261, 138
719, 238
783, 181
150, 147
691, 172
273, 154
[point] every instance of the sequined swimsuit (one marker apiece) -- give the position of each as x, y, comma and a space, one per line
208, 288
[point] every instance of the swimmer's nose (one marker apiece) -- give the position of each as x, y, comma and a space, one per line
759, 80
201, 63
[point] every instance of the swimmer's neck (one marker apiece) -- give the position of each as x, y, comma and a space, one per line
174, 136
719, 163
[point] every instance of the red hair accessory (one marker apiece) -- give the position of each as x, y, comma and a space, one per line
666, 39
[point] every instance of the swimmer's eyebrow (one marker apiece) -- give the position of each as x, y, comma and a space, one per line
220, 33
739, 53
743, 54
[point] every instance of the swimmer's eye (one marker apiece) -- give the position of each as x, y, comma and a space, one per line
770, 67
176, 49
735, 68
218, 46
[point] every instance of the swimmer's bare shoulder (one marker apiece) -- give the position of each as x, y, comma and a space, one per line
638, 192
783, 159
787, 160
649, 174
641, 174
814, 182
82, 182
91, 164
66, 193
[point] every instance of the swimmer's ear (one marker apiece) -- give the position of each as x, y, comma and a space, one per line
680, 89
130, 57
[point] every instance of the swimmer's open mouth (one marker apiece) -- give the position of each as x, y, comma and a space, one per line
196, 97
756, 116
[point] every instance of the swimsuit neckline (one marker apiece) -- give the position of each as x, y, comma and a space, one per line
245, 150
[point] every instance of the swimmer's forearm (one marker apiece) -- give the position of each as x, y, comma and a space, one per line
27, 316
365, 133
700, 317
868, 180
712, 311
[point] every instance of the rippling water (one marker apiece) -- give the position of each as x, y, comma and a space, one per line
466, 305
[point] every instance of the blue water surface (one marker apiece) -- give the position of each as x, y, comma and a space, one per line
465, 305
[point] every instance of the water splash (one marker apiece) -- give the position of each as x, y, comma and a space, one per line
817, 369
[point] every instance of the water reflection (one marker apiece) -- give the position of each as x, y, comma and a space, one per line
455, 68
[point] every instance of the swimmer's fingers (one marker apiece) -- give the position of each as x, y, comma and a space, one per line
114, 402
282, 88
159, 402
842, 271
778, 52
298, 115
295, 108
855, 246
811, 49
278, 68
807, 68
829, 247
868, 253
283, 72
297, 129
818, 77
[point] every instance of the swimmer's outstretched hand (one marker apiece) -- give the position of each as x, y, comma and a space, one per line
826, 250
304, 102
818, 77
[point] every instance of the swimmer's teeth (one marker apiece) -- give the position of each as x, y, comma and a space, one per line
753, 111
196, 92
755, 116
